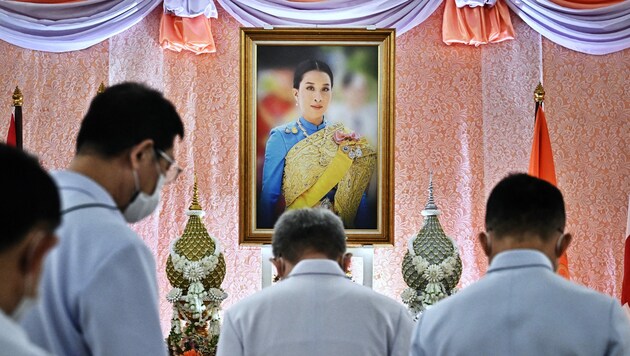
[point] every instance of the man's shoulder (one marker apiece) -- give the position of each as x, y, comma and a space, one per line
103, 225
582, 294
101, 238
552, 289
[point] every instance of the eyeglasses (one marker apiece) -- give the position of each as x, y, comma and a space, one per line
173, 170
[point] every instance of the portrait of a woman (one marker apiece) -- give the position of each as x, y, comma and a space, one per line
314, 161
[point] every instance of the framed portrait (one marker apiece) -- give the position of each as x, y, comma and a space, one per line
317, 119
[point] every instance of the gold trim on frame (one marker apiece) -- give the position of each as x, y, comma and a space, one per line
384, 41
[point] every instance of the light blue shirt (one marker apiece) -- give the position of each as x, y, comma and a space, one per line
14, 341
316, 311
521, 307
98, 288
281, 139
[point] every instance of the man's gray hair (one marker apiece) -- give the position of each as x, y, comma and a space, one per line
311, 229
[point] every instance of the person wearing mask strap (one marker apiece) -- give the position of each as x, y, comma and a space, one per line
99, 287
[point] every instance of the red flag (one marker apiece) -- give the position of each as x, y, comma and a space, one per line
11, 136
541, 166
625, 286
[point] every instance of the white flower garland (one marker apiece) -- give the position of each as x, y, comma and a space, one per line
434, 274
200, 304
195, 271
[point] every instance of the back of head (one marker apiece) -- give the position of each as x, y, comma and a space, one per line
307, 66
125, 115
301, 230
29, 197
522, 206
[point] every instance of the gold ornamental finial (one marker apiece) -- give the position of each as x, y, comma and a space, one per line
101, 88
195, 201
539, 93
18, 98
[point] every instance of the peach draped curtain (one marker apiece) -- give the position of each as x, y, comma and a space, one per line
186, 33
476, 25
186, 25
588, 26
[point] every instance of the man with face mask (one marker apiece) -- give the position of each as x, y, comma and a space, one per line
29, 214
521, 306
315, 309
99, 288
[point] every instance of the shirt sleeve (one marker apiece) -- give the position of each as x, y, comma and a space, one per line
620, 332
230, 343
118, 309
273, 168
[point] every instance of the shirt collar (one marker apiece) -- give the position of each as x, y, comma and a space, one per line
519, 258
77, 181
317, 266
311, 127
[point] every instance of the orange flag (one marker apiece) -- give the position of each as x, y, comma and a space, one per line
541, 166
11, 136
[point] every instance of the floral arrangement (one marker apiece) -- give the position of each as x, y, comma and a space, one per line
435, 275
195, 325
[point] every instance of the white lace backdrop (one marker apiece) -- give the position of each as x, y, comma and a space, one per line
464, 112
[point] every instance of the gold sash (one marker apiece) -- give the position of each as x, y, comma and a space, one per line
317, 164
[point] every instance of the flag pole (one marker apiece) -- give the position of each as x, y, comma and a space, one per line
539, 98
18, 100
101, 88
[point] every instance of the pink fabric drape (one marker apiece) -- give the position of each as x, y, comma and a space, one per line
476, 25
186, 33
448, 121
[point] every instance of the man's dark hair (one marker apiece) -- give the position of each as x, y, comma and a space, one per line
307, 66
522, 205
125, 115
29, 197
301, 230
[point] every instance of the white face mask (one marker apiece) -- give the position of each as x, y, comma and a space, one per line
143, 204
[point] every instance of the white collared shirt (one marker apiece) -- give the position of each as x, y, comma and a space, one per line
99, 291
14, 341
316, 311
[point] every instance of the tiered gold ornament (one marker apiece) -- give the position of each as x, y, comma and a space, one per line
432, 266
196, 269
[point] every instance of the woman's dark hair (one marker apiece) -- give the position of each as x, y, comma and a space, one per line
307, 66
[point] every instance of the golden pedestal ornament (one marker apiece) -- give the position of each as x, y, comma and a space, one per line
432, 266
196, 269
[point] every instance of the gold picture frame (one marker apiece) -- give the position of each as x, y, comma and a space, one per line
363, 67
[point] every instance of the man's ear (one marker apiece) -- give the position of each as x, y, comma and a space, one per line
485, 242
345, 262
563, 243
278, 262
139, 152
39, 244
